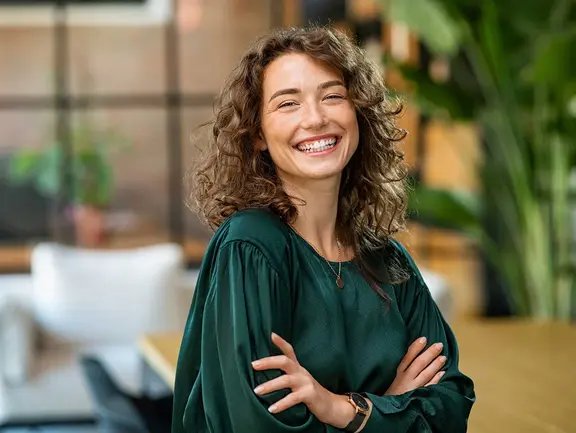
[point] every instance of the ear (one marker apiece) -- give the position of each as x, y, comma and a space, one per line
260, 143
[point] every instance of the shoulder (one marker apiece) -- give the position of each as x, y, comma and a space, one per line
257, 225
394, 262
409, 282
399, 253
258, 228
250, 245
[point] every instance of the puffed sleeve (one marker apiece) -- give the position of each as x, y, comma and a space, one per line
441, 408
246, 302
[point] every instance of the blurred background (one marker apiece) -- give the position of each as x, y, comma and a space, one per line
100, 101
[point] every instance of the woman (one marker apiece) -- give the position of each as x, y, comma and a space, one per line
307, 316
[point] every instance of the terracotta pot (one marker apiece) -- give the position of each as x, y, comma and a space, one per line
90, 226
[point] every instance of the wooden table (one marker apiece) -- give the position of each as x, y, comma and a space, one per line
524, 373
16, 258
160, 351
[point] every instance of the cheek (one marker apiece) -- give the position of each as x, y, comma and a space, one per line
276, 130
352, 127
348, 117
273, 139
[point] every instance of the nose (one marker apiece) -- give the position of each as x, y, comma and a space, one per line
313, 117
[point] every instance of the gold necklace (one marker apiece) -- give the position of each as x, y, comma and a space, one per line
339, 280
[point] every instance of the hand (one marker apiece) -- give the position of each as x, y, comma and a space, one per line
415, 372
328, 407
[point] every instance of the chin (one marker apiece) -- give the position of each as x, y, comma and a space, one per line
323, 174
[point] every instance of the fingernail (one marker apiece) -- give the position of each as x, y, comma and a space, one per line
256, 364
442, 359
274, 335
439, 346
272, 408
258, 389
442, 373
422, 340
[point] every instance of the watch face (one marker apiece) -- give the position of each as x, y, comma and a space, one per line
360, 401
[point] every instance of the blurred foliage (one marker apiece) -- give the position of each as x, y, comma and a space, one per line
511, 73
91, 174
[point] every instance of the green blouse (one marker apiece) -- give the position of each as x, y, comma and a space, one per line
258, 276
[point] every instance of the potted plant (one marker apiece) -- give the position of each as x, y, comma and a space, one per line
511, 75
89, 188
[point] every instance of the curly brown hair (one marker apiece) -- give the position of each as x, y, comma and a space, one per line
235, 175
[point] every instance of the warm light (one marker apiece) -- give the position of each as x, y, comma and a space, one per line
399, 42
189, 14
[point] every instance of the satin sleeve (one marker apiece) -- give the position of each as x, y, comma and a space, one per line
247, 301
441, 408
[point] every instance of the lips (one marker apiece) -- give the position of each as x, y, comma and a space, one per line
319, 144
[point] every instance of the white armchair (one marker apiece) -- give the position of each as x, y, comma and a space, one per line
92, 301
440, 292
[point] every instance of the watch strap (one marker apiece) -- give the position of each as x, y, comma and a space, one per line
355, 424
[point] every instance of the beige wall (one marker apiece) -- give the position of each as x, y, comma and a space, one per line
124, 61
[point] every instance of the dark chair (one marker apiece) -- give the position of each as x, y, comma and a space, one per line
25, 214
118, 412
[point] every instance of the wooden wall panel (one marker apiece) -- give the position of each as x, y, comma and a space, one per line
452, 155
452, 152
291, 13
363, 9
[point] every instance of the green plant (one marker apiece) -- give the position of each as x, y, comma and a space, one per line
510, 72
91, 175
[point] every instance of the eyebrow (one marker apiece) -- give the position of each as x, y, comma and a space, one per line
293, 91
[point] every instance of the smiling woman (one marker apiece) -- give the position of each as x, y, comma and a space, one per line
315, 100
308, 316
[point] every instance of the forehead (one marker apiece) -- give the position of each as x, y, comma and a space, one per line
297, 70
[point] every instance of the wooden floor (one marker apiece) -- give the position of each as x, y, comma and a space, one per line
524, 373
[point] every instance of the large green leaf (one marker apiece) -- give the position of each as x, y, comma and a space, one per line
446, 208
429, 20
436, 99
554, 63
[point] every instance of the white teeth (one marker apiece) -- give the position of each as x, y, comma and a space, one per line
318, 146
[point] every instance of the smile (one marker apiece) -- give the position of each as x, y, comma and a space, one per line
317, 146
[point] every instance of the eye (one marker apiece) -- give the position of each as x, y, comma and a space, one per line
287, 104
334, 96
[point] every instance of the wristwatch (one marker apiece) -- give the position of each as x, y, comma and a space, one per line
362, 408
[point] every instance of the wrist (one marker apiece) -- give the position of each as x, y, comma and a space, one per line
342, 412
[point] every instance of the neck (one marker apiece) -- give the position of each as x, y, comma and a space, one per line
316, 220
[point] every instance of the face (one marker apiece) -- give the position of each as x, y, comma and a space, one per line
309, 125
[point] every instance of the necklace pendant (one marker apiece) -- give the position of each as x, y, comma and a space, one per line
339, 282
